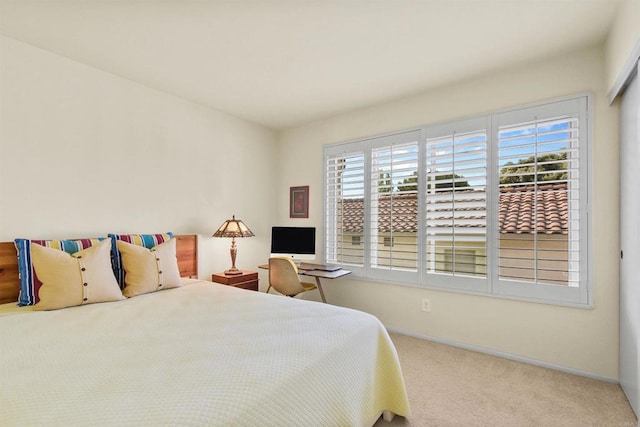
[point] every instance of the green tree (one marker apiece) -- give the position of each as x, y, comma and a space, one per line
450, 183
450, 177
525, 170
384, 183
409, 184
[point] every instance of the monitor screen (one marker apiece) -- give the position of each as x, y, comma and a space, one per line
298, 243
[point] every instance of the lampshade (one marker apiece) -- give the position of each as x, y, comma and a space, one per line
233, 228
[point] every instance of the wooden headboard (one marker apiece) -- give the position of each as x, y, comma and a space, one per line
186, 252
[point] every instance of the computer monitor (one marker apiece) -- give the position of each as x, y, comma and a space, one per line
299, 243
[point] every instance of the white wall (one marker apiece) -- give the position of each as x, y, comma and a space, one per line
84, 153
623, 38
578, 339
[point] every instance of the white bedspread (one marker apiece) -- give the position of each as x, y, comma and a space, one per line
203, 354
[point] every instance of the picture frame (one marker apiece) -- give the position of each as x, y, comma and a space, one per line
299, 202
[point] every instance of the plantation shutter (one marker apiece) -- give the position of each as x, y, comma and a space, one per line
455, 184
393, 219
345, 205
542, 214
496, 204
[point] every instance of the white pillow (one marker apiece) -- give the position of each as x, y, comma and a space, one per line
84, 277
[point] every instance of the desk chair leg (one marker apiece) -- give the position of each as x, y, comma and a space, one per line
320, 289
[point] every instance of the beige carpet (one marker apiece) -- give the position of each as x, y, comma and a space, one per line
448, 386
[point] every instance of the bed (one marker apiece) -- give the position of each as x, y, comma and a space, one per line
197, 354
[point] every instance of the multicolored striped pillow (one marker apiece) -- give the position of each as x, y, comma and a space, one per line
29, 282
146, 240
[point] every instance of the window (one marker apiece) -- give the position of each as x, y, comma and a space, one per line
371, 189
495, 204
344, 215
456, 204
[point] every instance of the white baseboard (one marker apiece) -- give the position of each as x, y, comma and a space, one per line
504, 355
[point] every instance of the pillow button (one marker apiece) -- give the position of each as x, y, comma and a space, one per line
85, 284
83, 269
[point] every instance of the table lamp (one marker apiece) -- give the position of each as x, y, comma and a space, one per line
233, 228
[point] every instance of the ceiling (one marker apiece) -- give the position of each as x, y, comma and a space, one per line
281, 63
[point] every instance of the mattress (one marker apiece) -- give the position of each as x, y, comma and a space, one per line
201, 354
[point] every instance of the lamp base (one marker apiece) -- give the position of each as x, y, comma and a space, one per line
232, 272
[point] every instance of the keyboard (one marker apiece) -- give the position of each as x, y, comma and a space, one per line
320, 267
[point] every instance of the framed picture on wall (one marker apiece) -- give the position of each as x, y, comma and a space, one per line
299, 202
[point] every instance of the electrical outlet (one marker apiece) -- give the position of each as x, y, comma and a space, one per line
426, 305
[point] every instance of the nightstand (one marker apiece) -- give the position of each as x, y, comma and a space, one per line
246, 280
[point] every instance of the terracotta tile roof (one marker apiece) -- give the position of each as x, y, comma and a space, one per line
516, 211
405, 214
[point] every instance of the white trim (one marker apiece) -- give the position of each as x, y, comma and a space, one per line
626, 73
440, 287
504, 355
589, 200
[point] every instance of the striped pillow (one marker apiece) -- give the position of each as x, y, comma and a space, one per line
145, 240
29, 282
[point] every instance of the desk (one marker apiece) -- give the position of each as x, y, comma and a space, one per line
318, 274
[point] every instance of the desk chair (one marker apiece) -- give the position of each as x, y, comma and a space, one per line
283, 277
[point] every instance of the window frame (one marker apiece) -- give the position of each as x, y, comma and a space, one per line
578, 296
